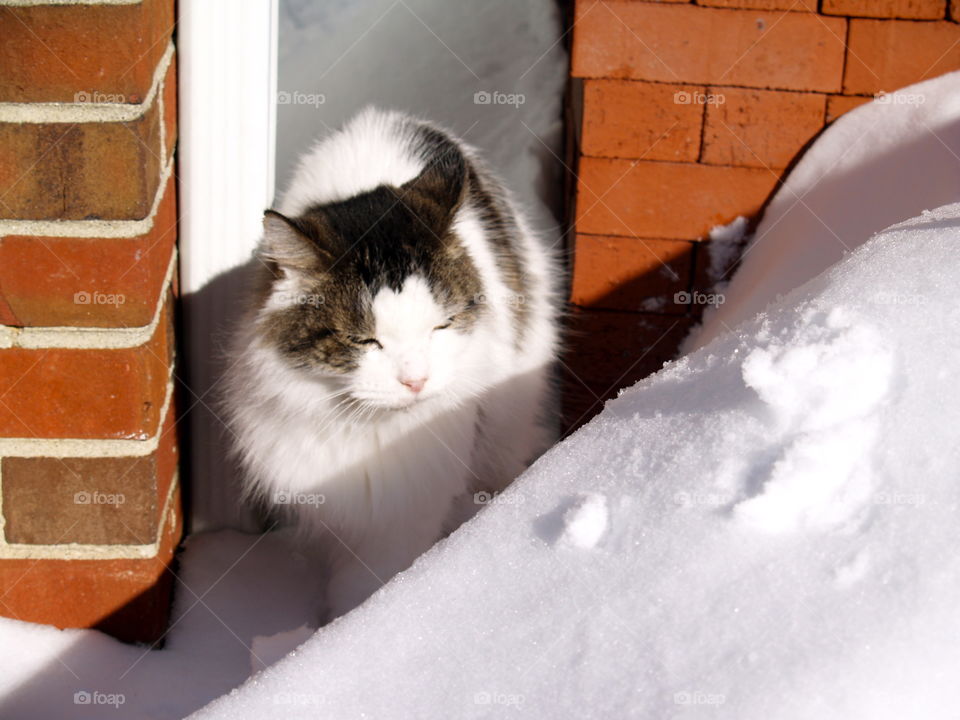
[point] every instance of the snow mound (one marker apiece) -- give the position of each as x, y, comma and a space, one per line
724, 249
771, 525
823, 389
879, 164
586, 521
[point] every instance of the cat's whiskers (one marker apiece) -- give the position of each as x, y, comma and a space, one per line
339, 411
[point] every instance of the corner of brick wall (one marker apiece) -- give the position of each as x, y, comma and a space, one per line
89, 493
689, 115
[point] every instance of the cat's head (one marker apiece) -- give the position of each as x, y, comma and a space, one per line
377, 292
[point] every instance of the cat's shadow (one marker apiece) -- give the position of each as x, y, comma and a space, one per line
208, 318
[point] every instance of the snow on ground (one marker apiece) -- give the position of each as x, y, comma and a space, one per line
881, 163
765, 529
242, 602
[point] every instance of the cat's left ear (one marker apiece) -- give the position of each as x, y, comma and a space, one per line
292, 244
438, 191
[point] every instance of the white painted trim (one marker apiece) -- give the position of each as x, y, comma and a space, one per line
88, 338
227, 131
227, 60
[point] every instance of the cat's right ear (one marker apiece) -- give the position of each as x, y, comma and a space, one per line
287, 243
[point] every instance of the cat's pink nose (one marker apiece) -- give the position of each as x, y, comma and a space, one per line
415, 385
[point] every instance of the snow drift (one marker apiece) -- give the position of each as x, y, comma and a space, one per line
764, 529
879, 164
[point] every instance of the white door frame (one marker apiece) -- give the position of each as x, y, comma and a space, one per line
227, 80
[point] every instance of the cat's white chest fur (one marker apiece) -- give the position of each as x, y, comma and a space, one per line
381, 491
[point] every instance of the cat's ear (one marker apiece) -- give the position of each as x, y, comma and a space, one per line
291, 244
438, 190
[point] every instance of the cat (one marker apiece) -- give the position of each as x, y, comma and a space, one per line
396, 362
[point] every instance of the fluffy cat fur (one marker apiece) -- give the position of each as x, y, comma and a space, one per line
397, 354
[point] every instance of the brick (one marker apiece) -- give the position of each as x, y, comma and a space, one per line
684, 43
886, 55
170, 107
72, 393
676, 201
794, 5
760, 128
907, 9
45, 281
7, 316
84, 171
642, 120
50, 53
127, 598
99, 501
635, 274
607, 351
837, 105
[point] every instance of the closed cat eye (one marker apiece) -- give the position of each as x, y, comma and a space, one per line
447, 324
366, 341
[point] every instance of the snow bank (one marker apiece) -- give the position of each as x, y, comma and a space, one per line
765, 529
241, 604
880, 164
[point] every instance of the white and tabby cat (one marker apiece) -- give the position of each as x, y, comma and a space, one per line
399, 353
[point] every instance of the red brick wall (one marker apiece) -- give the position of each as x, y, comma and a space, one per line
89, 498
688, 114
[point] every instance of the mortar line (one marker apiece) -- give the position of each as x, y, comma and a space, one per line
81, 112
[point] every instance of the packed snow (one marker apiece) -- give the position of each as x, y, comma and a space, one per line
767, 528
724, 250
586, 521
